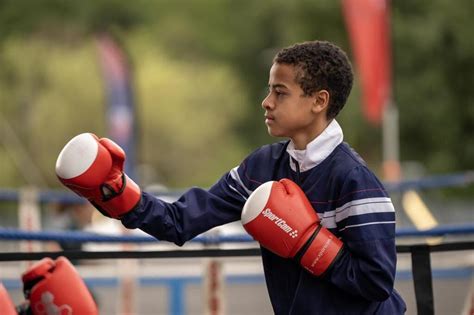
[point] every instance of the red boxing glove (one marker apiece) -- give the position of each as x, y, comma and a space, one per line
280, 217
93, 168
6, 304
55, 287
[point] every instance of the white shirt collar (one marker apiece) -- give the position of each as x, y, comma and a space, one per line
318, 149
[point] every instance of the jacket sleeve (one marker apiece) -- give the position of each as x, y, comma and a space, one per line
365, 222
195, 212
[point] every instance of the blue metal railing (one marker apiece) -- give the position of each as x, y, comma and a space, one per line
430, 182
87, 237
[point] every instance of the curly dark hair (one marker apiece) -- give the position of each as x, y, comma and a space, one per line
320, 65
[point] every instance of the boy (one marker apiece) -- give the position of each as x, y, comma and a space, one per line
350, 241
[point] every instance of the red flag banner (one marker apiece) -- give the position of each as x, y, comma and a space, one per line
369, 32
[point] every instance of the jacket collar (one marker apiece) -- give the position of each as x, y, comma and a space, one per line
318, 149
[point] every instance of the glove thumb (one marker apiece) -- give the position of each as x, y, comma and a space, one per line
117, 153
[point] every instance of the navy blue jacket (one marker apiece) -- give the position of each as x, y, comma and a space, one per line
349, 199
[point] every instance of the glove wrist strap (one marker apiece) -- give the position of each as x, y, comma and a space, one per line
320, 251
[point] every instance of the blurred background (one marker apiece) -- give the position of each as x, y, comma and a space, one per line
179, 85
198, 71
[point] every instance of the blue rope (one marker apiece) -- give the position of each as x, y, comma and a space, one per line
85, 237
431, 182
442, 230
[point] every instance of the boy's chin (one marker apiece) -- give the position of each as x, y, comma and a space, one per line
271, 132
277, 134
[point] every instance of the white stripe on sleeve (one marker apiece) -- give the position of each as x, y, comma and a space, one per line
364, 206
367, 223
238, 192
235, 176
356, 207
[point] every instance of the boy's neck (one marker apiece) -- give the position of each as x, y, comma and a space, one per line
302, 140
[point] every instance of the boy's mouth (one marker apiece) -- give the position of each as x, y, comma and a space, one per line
269, 118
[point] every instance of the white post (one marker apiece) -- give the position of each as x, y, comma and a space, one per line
128, 286
29, 218
214, 287
214, 282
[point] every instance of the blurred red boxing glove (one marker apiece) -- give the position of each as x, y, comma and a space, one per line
93, 168
280, 217
55, 287
6, 304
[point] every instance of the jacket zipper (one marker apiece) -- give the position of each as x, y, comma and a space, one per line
297, 166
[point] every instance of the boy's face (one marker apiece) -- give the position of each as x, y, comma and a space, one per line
288, 113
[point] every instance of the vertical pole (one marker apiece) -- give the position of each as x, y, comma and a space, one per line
29, 218
214, 287
422, 279
214, 284
176, 288
128, 270
390, 119
391, 145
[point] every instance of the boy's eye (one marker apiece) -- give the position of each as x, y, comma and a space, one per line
279, 93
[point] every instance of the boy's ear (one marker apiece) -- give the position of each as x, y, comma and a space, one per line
320, 101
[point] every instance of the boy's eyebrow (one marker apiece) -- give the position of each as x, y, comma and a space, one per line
278, 85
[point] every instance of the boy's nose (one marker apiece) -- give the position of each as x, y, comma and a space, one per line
266, 104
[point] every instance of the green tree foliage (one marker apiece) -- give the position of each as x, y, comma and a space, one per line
188, 111
434, 72
53, 92
201, 69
